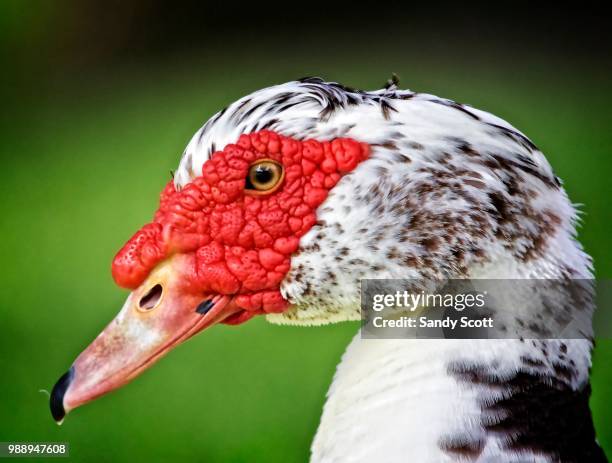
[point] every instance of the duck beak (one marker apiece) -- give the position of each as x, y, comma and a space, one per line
157, 316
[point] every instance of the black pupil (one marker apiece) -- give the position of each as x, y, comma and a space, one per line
263, 174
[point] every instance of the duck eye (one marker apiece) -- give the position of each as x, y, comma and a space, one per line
264, 176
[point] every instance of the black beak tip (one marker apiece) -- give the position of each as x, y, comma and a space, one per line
56, 401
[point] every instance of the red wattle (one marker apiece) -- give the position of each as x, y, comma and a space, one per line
242, 244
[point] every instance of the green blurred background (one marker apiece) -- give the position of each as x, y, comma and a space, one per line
99, 100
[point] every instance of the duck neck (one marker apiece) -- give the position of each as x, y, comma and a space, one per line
441, 400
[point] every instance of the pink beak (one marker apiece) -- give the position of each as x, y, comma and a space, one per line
157, 316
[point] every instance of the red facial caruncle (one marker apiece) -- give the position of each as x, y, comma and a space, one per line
240, 241
216, 252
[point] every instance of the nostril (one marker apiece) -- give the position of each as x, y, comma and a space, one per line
150, 300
